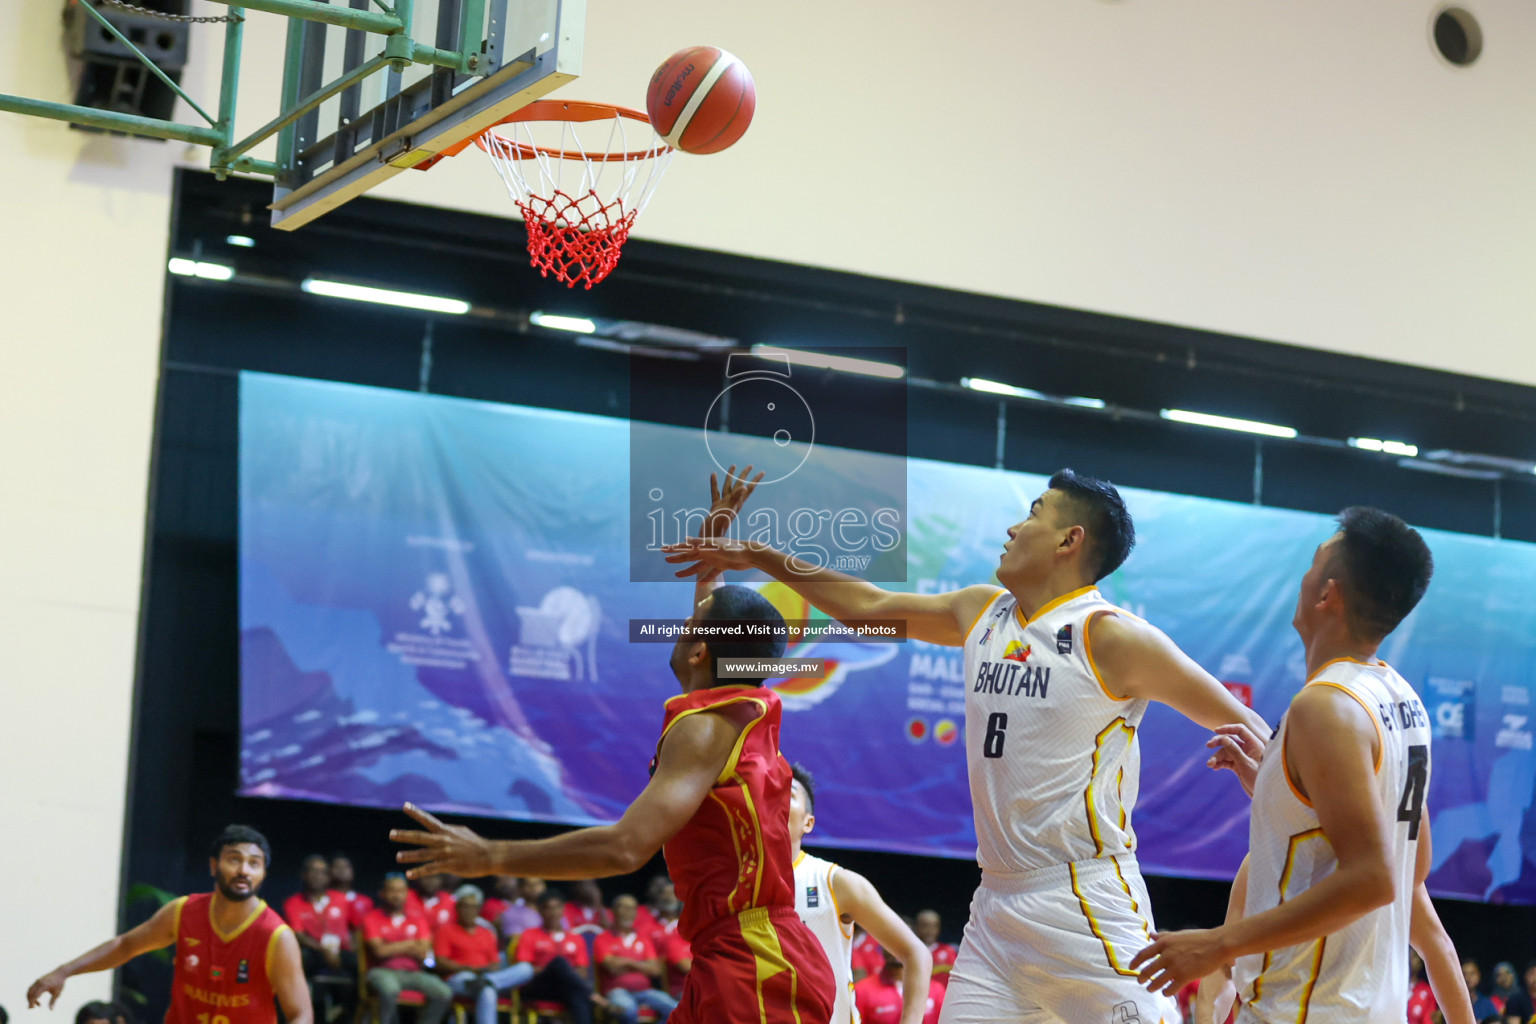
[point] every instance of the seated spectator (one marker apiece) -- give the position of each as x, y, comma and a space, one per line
522, 914
1505, 984
878, 998
320, 921
1421, 998
927, 928
631, 973
469, 956
342, 880
667, 909
398, 941
868, 958
1521, 1005
99, 1013
562, 969
504, 893
1482, 1006
585, 914
434, 902
678, 955
646, 921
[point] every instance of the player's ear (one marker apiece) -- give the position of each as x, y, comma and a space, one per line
1073, 539
810, 823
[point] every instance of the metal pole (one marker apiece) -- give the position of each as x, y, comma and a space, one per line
178, 90
1258, 472
1002, 434
309, 103
311, 10
229, 90
111, 120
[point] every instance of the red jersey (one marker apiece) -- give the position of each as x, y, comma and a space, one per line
474, 947
438, 910
538, 947
406, 926
358, 906
223, 974
734, 854
867, 955
1421, 1003
493, 908
943, 961
583, 919
879, 1002
317, 920
678, 955
633, 946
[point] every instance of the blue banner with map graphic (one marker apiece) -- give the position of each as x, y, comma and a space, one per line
435, 599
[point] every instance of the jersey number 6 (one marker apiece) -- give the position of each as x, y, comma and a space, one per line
992, 746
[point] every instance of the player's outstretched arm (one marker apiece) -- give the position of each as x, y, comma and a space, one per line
286, 973
935, 618
858, 899
695, 752
156, 933
1332, 755
1135, 659
1217, 993
1427, 935
725, 504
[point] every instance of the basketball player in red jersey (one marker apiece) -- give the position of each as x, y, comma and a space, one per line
719, 800
233, 952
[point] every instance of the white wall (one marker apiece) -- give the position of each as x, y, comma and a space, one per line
1300, 171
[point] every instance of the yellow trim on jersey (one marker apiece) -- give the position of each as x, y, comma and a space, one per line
240, 929
181, 903
1135, 907
1285, 882
758, 933
1093, 666
798, 858
757, 831
272, 948
1051, 605
984, 609
1306, 994
730, 763
1381, 745
1120, 794
1093, 773
730, 901
832, 890
1093, 925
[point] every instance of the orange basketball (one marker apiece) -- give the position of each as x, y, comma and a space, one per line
701, 99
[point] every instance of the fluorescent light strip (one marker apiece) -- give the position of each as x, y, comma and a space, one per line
1371, 444
1205, 419
993, 387
844, 364
384, 296
578, 324
194, 268
243, 241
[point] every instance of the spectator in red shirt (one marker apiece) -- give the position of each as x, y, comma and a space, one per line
679, 958
398, 942
1421, 998
468, 955
868, 958
585, 914
878, 997
504, 893
630, 973
521, 914
927, 928
433, 903
319, 919
646, 921
342, 879
562, 969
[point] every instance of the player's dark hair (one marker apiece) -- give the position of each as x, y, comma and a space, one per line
96, 1011
806, 779
235, 835
391, 875
1104, 517
738, 604
1384, 567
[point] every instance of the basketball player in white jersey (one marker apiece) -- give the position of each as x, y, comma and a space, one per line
1057, 682
831, 900
1339, 842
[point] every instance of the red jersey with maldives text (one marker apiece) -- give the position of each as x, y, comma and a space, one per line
223, 976
734, 854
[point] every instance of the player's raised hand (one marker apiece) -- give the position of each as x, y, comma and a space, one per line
708, 556
1239, 750
1176, 958
451, 848
726, 502
50, 985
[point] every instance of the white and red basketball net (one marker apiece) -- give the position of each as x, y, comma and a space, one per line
581, 203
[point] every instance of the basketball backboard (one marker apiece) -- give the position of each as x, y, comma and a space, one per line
514, 52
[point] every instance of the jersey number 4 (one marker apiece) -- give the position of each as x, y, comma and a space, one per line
992, 746
1411, 807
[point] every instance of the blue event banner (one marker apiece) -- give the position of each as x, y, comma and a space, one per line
435, 599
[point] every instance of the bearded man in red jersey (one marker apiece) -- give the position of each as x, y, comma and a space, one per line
234, 954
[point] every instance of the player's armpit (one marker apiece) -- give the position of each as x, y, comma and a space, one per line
859, 899
286, 972
1134, 659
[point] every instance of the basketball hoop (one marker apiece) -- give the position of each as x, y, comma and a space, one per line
582, 201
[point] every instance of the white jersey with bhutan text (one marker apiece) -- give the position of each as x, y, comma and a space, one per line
1054, 762
817, 907
1359, 973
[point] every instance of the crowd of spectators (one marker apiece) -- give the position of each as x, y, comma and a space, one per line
1510, 999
